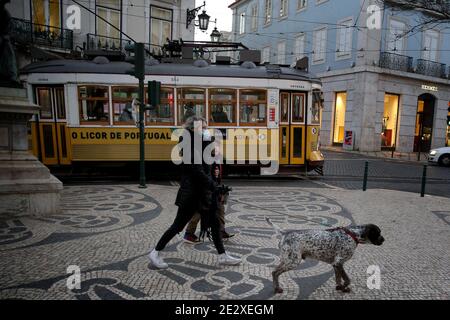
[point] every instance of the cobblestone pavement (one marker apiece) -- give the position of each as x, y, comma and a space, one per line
108, 230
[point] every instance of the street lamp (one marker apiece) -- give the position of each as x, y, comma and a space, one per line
215, 34
203, 18
203, 21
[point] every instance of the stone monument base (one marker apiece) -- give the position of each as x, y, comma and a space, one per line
26, 185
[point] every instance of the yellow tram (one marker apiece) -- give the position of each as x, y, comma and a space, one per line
85, 114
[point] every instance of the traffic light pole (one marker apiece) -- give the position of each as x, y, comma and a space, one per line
141, 135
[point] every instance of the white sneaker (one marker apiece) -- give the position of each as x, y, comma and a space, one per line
156, 260
226, 259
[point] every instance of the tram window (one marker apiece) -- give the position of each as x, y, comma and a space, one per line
191, 101
222, 108
60, 104
284, 107
44, 101
122, 97
252, 108
316, 107
163, 114
94, 104
298, 107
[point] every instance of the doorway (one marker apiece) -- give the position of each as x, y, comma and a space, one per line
390, 121
292, 127
424, 123
53, 142
339, 118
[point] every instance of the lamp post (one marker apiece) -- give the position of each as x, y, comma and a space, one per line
215, 34
203, 18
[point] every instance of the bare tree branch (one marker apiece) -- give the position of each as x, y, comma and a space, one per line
433, 12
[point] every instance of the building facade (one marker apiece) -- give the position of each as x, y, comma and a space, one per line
42, 26
385, 84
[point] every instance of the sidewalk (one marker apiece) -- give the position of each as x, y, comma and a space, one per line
404, 156
108, 231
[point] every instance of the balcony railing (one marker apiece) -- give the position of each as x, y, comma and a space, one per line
430, 68
25, 32
95, 43
395, 61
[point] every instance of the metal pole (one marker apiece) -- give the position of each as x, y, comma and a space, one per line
366, 171
141, 135
424, 181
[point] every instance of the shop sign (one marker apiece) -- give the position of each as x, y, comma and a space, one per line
429, 88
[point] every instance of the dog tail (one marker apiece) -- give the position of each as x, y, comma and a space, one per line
277, 228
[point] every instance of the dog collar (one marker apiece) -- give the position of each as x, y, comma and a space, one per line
348, 232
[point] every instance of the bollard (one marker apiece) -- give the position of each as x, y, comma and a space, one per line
424, 181
366, 171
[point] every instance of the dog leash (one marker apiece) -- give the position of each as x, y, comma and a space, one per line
332, 229
282, 213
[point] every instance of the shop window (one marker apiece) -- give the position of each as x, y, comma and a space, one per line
389, 123
252, 107
93, 104
122, 98
163, 114
191, 101
222, 106
339, 117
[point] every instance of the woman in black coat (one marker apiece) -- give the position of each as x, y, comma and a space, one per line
197, 193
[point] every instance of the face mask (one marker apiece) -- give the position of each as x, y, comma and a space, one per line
206, 135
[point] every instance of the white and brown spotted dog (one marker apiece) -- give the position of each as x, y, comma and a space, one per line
333, 246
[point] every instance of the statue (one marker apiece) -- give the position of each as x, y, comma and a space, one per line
8, 66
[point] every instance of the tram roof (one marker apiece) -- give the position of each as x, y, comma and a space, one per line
212, 70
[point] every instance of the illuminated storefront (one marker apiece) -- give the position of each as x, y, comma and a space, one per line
390, 121
339, 117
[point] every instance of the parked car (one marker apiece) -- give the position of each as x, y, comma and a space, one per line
440, 156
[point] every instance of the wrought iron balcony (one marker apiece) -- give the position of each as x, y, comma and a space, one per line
430, 68
97, 42
25, 32
395, 61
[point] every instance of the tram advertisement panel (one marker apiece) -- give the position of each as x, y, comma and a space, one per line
95, 144
119, 135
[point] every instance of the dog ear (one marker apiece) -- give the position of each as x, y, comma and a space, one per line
373, 233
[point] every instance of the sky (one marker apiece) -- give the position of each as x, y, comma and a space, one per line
216, 9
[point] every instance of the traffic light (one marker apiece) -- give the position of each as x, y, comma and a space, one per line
138, 59
154, 93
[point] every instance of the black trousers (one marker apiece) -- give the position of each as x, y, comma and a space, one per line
184, 215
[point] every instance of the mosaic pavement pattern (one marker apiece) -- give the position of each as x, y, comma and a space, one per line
108, 230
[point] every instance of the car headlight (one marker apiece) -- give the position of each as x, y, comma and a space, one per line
433, 152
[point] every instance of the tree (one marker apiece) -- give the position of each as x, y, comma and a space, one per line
435, 13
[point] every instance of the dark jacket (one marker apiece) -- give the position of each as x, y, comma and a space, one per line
197, 185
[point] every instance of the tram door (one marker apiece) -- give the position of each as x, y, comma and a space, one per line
292, 127
52, 126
